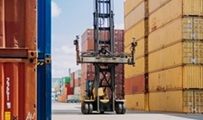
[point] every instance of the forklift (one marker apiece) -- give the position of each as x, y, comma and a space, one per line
100, 92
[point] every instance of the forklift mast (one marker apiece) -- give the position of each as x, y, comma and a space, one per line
101, 93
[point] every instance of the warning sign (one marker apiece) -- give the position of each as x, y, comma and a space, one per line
7, 115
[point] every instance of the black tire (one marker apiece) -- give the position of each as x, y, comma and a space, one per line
90, 108
84, 108
120, 108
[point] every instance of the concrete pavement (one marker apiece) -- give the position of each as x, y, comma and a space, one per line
71, 111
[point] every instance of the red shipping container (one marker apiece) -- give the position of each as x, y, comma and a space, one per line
18, 28
69, 89
18, 89
135, 84
88, 39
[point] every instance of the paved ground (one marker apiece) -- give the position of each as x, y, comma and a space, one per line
66, 111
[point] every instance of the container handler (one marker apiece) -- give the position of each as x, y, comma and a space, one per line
100, 95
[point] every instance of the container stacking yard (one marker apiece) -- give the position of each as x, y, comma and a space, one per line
169, 72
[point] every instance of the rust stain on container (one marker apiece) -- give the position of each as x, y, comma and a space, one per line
166, 79
18, 88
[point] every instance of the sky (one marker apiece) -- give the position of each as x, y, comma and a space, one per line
71, 18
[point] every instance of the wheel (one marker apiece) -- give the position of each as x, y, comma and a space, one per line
85, 108
90, 108
120, 108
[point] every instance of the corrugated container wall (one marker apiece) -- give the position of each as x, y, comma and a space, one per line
18, 29
18, 58
18, 88
170, 45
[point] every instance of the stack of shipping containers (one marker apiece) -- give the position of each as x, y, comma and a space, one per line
175, 55
136, 78
77, 83
18, 58
88, 70
65, 89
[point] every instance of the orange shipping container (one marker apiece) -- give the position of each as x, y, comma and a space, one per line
17, 28
137, 101
135, 16
189, 28
137, 32
189, 101
182, 77
156, 4
18, 89
130, 5
139, 68
167, 13
176, 55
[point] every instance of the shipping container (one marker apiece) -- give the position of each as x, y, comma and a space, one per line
77, 91
72, 79
139, 69
69, 89
88, 40
77, 82
135, 16
167, 13
181, 53
18, 29
77, 74
129, 5
137, 101
189, 101
188, 28
154, 5
88, 45
193, 101
18, 89
135, 84
182, 77
169, 101
137, 31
